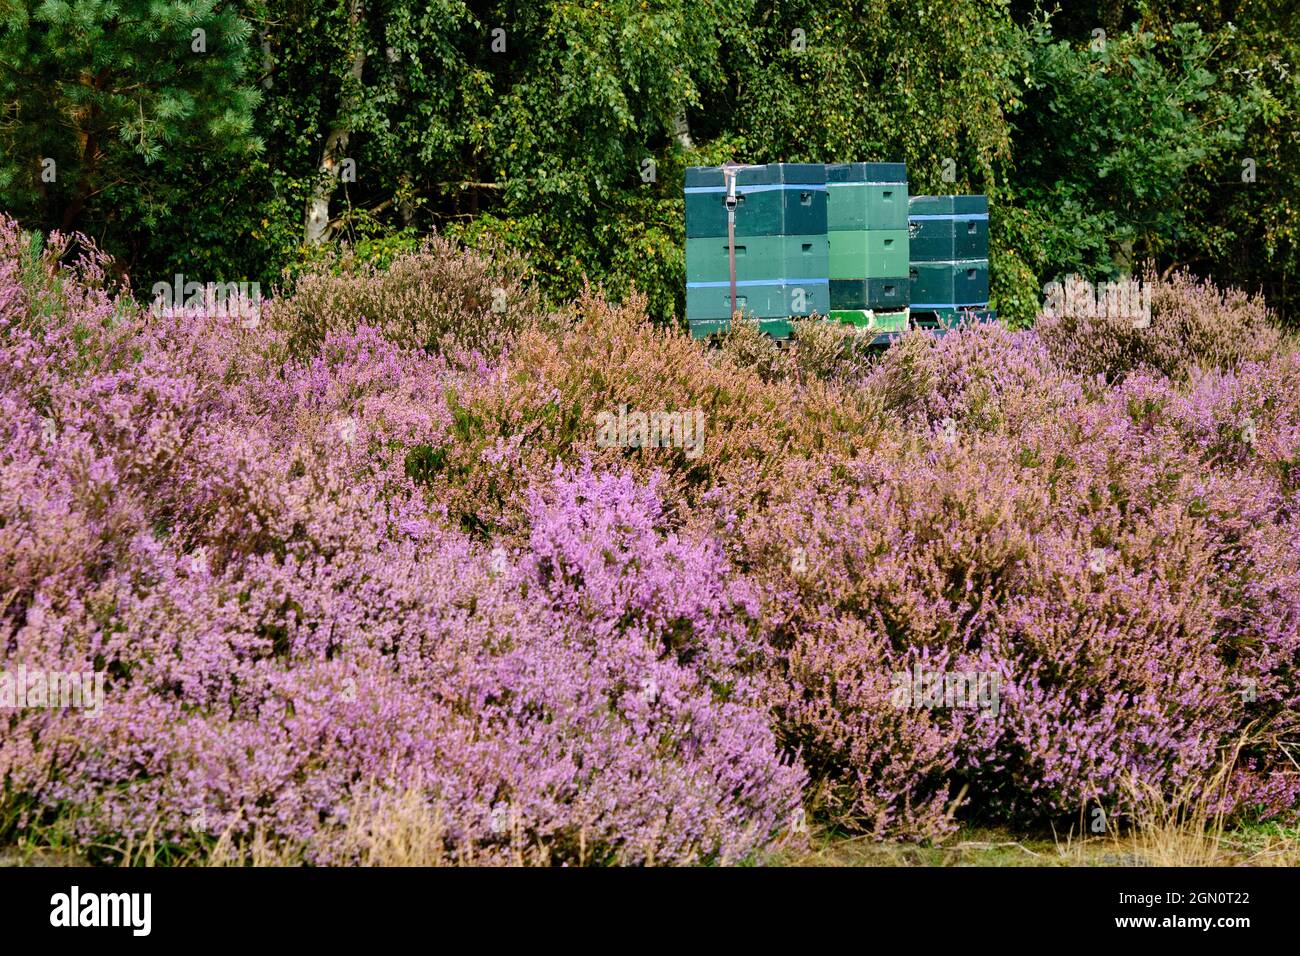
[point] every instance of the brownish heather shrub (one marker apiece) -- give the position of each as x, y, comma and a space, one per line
543, 406
745, 345
829, 350
1193, 325
444, 299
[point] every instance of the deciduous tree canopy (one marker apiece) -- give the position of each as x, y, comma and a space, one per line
234, 140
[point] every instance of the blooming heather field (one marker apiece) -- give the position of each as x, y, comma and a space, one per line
364, 572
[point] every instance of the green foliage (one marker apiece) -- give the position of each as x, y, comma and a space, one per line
1109, 135
904, 80
635, 239
560, 129
108, 90
1246, 232
424, 462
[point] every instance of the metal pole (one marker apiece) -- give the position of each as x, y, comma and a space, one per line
730, 175
731, 247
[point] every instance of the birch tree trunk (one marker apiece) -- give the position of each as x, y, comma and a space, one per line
682, 130
317, 221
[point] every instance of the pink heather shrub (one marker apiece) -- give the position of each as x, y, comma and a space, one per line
597, 552
746, 346
543, 403
986, 380
324, 564
285, 622
260, 701
1133, 594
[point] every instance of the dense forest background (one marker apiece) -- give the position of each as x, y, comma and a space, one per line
240, 141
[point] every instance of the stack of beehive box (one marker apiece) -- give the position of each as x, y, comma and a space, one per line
781, 246
950, 254
867, 230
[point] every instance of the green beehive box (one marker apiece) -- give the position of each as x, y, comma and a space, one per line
777, 328
757, 257
888, 294
946, 239
768, 174
760, 211
771, 299
868, 254
973, 205
866, 196
866, 206
949, 285
929, 206
866, 173
772, 200
945, 228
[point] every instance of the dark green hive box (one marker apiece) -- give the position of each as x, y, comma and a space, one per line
947, 285
853, 294
770, 174
945, 228
948, 205
773, 200
934, 240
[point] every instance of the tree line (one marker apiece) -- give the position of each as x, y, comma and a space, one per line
239, 141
